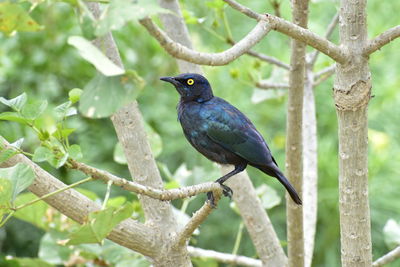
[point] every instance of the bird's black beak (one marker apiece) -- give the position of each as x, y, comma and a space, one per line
170, 80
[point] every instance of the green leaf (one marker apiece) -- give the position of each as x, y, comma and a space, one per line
16, 103
75, 152
100, 224
20, 175
7, 154
34, 109
58, 160
5, 192
42, 154
93, 55
268, 195
118, 155
119, 12
34, 213
14, 116
61, 110
63, 133
103, 95
14, 18
74, 95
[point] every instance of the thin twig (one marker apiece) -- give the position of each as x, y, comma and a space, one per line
263, 84
332, 25
213, 59
389, 257
263, 57
324, 74
160, 194
299, 33
54, 193
198, 218
223, 257
381, 40
245, 10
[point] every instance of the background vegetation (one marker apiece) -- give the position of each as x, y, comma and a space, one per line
46, 67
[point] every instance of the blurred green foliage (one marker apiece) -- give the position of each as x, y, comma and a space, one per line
44, 66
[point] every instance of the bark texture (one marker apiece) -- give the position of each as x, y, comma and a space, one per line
352, 90
294, 167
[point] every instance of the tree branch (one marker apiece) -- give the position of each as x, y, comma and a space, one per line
381, 40
332, 25
296, 32
391, 256
213, 59
324, 74
263, 57
197, 219
160, 194
71, 203
263, 84
224, 257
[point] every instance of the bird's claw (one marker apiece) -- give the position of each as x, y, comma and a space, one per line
211, 199
227, 191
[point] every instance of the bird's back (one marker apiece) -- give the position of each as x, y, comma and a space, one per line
217, 127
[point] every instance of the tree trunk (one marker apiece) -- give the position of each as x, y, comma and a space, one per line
294, 168
352, 90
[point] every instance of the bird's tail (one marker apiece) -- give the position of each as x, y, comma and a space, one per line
275, 172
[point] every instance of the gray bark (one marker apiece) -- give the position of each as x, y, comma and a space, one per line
352, 90
294, 167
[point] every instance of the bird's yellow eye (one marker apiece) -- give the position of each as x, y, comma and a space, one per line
190, 81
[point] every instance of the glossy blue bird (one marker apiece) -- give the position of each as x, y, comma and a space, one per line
221, 132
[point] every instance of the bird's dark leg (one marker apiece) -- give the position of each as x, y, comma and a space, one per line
226, 190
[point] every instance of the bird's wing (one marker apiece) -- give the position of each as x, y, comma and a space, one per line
233, 130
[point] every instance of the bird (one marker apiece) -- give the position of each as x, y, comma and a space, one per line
222, 133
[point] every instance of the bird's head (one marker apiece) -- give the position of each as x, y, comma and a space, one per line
191, 86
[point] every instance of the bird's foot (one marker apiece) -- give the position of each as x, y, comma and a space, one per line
226, 190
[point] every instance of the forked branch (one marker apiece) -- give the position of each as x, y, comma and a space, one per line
213, 59
290, 29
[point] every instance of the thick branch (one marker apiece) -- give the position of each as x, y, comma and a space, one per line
332, 25
391, 256
298, 33
224, 257
71, 203
381, 40
160, 194
213, 59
